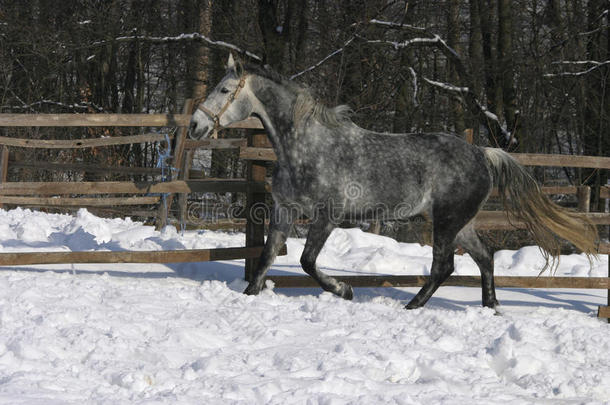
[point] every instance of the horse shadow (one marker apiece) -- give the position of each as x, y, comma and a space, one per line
232, 273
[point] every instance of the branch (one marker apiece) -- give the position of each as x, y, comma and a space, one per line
195, 36
80, 106
596, 65
327, 57
435, 41
473, 103
447, 86
349, 41
577, 62
415, 86
389, 24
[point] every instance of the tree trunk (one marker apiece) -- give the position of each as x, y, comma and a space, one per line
453, 40
506, 66
276, 33
405, 103
197, 18
477, 61
596, 117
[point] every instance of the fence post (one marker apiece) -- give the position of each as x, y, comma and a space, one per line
255, 226
469, 135
183, 197
583, 193
176, 163
4, 155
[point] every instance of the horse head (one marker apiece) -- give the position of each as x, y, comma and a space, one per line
229, 102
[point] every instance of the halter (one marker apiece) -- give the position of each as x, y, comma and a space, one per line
216, 117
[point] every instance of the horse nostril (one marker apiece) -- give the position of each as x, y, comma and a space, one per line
205, 130
192, 127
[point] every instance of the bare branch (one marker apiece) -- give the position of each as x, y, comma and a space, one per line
447, 86
577, 62
327, 57
30, 107
389, 24
474, 104
415, 87
596, 65
195, 36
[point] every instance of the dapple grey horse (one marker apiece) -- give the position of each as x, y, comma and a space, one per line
328, 169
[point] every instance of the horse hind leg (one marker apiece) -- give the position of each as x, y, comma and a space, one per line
470, 241
442, 267
316, 237
445, 227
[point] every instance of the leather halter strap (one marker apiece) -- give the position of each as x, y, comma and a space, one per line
216, 117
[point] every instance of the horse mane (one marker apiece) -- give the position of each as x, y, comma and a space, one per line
306, 106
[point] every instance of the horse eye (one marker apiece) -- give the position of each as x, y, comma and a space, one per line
224, 90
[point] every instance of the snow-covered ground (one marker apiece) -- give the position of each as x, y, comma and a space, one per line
184, 334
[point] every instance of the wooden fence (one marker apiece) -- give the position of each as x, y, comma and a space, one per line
257, 152
61, 194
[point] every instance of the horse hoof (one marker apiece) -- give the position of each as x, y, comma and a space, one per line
346, 292
491, 304
252, 290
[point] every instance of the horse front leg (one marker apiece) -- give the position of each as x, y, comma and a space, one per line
316, 237
279, 228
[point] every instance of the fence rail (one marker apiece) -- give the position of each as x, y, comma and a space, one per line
457, 281
109, 120
147, 256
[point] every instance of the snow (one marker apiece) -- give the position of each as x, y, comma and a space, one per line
184, 333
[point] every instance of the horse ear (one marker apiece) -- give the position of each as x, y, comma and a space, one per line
231, 62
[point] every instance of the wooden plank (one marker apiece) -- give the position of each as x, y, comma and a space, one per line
604, 249
110, 120
78, 202
81, 143
538, 159
211, 185
178, 155
499, 220
106, 187
603, 312
159, 256
255, 226
248, 123
127, 187
183, 197
257, 153
4, 157
89, 168
210, 143
584, 198
528, 159
548, 190
95, 120
461, 281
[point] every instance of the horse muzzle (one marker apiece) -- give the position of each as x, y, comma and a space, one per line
198, 131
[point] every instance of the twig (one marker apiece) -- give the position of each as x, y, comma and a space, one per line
581, 73
84, 105
389, 24
327, 57
195, 36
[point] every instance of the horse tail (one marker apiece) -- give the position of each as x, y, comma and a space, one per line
547, 222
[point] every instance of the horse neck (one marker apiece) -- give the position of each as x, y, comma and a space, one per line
273, 105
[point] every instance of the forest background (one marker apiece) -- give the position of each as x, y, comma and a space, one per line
524, 75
